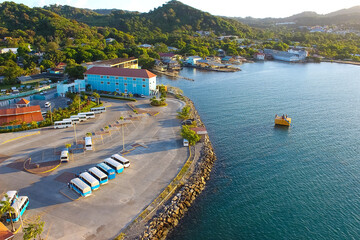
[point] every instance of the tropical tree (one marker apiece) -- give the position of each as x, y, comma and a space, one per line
34, 229
5, 207
185, 113
190, 135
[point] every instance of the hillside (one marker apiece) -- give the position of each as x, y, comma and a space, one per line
347, 17
170, 17
30, 21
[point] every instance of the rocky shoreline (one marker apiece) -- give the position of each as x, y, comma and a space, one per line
169, 214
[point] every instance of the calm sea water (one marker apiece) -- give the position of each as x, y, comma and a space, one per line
278, 183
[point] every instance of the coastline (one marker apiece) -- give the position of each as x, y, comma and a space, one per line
157, 222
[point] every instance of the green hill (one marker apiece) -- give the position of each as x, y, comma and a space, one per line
173, 16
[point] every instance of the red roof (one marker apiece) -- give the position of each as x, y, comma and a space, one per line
20, 115
199, 130
23, 101
121, 72
5, 233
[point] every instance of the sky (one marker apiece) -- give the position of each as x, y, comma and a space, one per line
231, 8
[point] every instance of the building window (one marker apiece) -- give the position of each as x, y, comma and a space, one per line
102, 82
134, 79
107, 76
124, 78
143, 79
117, 89
85, 75
125, 84
108, 83
116, 78
134, 85
101, 76
117, 83
144, 85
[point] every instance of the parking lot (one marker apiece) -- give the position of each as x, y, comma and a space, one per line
154, 149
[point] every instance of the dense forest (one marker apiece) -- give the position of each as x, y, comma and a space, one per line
73, 35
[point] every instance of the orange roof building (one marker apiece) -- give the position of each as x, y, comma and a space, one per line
17, 116
5, 233
23, 103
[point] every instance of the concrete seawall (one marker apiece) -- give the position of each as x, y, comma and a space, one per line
168, 214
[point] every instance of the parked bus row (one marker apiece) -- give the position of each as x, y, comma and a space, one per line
93, 178
19, 205
75, 119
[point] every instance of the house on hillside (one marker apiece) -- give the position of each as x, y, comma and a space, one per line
148, 46
109, 40
172, 49
169, 56
259, 56
124, 80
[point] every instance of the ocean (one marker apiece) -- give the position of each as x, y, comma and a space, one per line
269, 182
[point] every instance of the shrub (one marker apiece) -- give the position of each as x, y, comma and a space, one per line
190, 135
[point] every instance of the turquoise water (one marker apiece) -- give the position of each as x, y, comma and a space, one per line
278, 183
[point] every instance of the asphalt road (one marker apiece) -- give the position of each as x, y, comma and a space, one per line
109, 209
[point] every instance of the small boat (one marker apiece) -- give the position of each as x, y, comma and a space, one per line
283, 120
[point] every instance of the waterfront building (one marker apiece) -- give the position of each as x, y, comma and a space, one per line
169, 56
114, 63
191, 60
121, 80
147, 46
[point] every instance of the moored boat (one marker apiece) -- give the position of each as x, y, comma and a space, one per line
283, 120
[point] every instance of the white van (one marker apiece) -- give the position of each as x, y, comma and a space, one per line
87, 114
88, 144
64, 156
82, 118
47, 104
185, 142
121, 160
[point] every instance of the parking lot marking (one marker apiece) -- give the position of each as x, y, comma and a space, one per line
13, 139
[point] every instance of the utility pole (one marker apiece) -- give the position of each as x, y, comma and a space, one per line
51, 114
75, 134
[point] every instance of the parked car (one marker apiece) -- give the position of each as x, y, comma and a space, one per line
136, 95
47, 104
142, 95
187, 122
93, 99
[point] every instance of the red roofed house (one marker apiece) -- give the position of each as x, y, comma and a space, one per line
20, 115
125, 80
23, 103
5, 234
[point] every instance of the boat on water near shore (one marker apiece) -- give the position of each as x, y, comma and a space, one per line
283, 120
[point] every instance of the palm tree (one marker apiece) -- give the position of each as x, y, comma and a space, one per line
5, 207
34, 229
97, 96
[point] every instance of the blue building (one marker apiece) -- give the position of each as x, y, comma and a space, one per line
121, 80
75, 87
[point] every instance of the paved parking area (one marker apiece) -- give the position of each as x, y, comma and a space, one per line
156, 157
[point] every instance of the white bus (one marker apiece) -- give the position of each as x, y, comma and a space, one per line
80, 187
82, 118
98, 110
89, 180
121, 160
20, 207
12, 196
87, 114
73, 120
88, 144
63, 124
99, 175
118, 167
